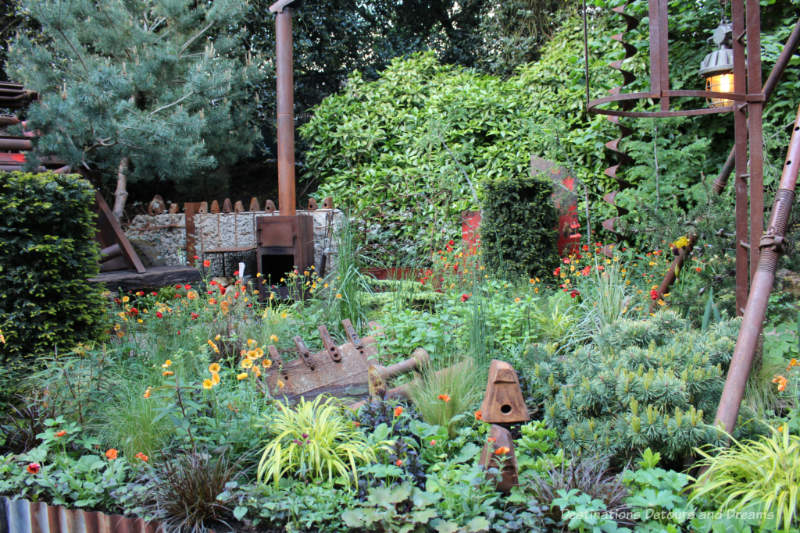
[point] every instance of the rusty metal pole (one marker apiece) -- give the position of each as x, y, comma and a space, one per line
774, 76
755, 108
285, 96
740, 145
771, 246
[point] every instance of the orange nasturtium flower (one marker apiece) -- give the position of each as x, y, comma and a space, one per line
61, 433
781, 382
142, 457
444, 397
478, 415
398, 411
214, 367
502, 450
167, 373
111, 453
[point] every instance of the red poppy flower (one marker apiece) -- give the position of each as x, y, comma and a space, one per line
206, 263
194, 316
574, 293
654, 294
464, 297
33, 468
133, 311
399, 462
159, 314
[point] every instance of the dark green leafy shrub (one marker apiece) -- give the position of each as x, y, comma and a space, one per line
643, 383
47, 252
518, 226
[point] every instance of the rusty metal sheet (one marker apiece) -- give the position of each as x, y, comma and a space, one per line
22, 516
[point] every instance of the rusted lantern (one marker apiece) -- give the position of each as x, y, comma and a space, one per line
717, 66
503, 402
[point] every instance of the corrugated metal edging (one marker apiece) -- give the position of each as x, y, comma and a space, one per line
22, 516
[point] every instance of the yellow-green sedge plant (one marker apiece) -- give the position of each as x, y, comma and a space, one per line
754, 476
315, 441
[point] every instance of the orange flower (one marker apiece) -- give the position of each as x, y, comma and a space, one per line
793, 362
142, 457
147, 392
444, 397
781, 382
61, 433
206, 263
398, 411
214, 367
168, 373
502, 450
33, 468
491, 439
399, 462
111, 453
241, 376
478, 415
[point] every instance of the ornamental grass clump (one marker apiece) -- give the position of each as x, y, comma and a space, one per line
315, 441
759, 477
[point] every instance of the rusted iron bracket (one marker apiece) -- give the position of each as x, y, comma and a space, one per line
341, 370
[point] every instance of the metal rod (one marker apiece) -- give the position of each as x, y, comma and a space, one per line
285, 96
755, 310
755, 130
740, 144
774, 76
674, 268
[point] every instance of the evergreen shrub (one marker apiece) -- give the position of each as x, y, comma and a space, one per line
518, 223
643, 383
47, 253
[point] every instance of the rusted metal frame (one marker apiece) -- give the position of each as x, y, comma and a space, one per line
674, 269
285, 97
329, 345
755, 130
740, 158
659, 51
771, 245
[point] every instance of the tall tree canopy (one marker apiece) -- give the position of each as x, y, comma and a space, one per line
147, 88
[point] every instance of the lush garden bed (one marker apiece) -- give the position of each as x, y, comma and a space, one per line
167, 417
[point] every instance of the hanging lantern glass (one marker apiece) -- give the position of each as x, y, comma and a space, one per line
717, 67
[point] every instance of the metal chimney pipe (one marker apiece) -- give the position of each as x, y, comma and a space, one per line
771, 247
285, 94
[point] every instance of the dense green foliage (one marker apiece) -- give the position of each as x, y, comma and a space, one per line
518, 235
47, 253
643, 383
141, 80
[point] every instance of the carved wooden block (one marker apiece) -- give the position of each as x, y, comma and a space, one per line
503, 402
312, 204
499, 453
327, 203
269, 206
214, 207
238, 207
227, 206
254, 205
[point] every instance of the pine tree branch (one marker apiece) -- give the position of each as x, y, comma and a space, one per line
80, 57
176, 102
196, 36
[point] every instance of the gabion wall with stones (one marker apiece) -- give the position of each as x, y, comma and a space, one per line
163, 238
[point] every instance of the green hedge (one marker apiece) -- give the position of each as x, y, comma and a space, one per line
518, 221
47, 253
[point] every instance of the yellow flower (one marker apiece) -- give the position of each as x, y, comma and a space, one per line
214, 378
218, 337
241, 376
284, 314
266, 363
517, 299
213, 367
139, 320
258, 274
125, 299
207, 384
247, 363
281, 384
256, 371
681, 242
167, 364
273, 338
338, 295
213, 346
